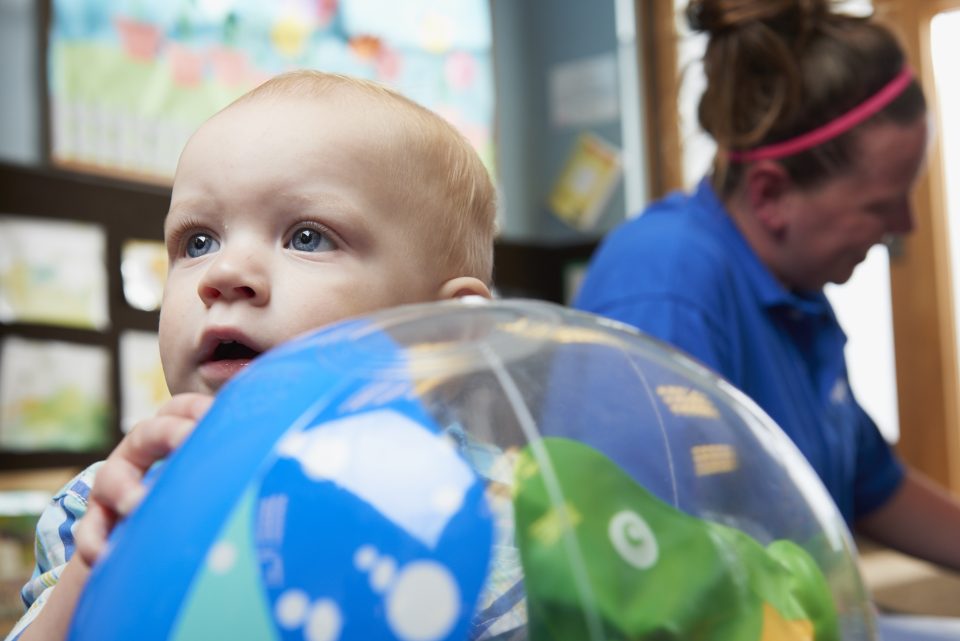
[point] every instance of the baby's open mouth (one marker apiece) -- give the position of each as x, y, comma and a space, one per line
233, 351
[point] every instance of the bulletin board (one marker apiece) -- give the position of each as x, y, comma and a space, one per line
130, 80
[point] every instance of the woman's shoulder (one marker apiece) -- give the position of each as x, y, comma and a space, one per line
675, 233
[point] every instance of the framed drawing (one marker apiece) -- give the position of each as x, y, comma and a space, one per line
53, 272
53, 396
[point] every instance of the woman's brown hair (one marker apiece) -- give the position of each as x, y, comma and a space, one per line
776, 69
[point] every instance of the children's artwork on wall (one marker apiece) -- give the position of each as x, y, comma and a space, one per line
53, 272
143, 387
143, 266
131, 79
586, 182
53, 396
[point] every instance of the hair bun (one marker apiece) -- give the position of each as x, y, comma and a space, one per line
785, 16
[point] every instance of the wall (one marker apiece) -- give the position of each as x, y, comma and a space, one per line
531, 37
19, 70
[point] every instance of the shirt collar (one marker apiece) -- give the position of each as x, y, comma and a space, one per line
770, 292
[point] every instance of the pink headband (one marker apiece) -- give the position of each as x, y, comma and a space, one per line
840, 124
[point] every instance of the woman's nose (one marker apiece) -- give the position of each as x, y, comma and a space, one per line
902, 222
235, 276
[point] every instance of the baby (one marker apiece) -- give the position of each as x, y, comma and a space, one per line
310, 199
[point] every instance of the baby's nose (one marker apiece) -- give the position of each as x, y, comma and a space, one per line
233, 277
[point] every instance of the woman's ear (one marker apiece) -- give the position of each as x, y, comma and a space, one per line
463, 286
768, 188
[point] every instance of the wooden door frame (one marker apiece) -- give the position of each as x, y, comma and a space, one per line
657, 42
921, 291
921, 285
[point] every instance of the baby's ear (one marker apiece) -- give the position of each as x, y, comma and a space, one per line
463, 286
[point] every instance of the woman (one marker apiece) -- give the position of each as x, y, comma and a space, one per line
821, 132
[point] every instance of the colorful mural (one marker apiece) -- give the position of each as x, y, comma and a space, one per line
131, 79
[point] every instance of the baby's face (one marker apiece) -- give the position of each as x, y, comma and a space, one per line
282, 219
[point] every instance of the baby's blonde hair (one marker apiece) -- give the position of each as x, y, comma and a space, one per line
444, 173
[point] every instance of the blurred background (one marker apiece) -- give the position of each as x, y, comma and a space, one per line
583, 112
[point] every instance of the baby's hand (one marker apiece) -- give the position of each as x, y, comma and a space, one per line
118, 487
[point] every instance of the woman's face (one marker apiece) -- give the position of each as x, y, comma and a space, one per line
831, 228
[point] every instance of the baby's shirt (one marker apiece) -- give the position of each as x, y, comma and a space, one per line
54, 546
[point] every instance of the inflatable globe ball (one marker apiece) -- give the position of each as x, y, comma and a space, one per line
480, 470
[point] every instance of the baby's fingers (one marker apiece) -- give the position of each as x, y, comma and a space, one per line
92, 532
119, 484
190, 405
153, 439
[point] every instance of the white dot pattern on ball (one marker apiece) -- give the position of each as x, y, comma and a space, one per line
383, 573
222, 557
324, 622
365, 557
424, 603
291, 609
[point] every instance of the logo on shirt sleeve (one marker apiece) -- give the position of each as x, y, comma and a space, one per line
840, 392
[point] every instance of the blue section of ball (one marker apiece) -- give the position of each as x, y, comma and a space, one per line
395, 497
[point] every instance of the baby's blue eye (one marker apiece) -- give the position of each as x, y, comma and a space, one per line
201, 244
307, 239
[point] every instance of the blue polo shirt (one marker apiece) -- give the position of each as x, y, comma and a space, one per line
684, 273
